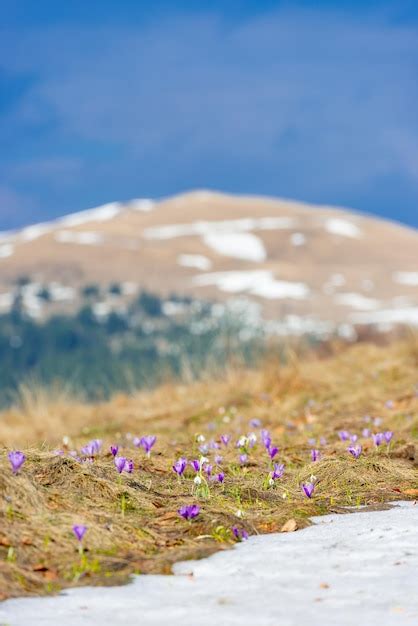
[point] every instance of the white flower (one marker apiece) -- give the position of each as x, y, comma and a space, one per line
271, 482
239, 513
242, 441
200, 438
203, 460
197, 480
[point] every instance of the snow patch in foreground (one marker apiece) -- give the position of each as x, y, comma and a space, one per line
256, 282
345, 570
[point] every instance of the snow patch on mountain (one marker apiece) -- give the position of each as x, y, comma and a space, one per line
344, 228
205, 228
198, 261
260, 283
245, 246
86, 238
406, 278
357, 301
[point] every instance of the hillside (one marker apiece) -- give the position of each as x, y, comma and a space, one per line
133, 525
305, 268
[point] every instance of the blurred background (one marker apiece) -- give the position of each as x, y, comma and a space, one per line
213, 140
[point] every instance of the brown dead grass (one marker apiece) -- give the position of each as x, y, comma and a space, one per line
38, 552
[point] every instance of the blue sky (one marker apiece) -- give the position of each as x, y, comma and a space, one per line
109, 100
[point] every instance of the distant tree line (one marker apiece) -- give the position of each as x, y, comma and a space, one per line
138, 348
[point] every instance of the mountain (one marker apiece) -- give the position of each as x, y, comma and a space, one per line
301, 267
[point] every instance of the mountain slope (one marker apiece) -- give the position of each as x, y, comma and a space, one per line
298, 262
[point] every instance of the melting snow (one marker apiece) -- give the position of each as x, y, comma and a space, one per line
83, 238
388, 317
198, 261
344, 569
245, 246
226, 226
61, 293
129, 289
336, 280
6, 301
259, 283
298, 239
6, 250
406, 278
98, 214
30, 233
143, 204
344, 228
357, 301
101, 309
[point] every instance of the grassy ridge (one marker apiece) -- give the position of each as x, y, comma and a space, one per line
133, 524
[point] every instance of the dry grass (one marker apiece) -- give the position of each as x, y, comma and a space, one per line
38, 552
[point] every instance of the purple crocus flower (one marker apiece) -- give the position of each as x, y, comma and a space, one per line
323, 441
189, 512
214, 445
378, 439
366, 432
389, 404
16, 459
179, 466
239, 533
265, 438
255, 423
315, 455
147, 443
272, 451
308, 489
388, 434
196, 465
278, 471
92, 447
114, 450
208, 469
312, 441
225, 439
243, 458
79, 530
122, 464
218, 459
355, 451
353, 438
344, 435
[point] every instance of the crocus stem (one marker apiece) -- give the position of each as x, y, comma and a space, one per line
80, 549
